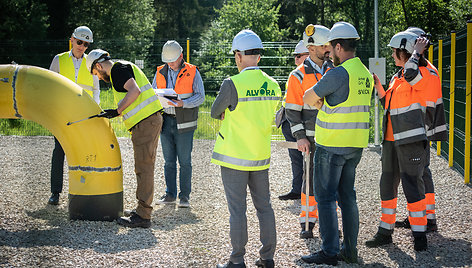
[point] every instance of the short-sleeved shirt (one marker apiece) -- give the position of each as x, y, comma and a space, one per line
120, 74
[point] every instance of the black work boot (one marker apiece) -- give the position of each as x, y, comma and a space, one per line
403, 224
421, 243
307, 234
379, 240
320, 258
134, 221
54, 200
432, 226
231, 265
265, 263
290, 196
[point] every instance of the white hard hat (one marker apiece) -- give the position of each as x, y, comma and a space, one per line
343, 30
315, 35
83, 33
416, 30
246, 40
96, 55
405, 40
171, 51
300, 48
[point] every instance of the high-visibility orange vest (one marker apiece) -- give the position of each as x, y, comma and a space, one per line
406, 105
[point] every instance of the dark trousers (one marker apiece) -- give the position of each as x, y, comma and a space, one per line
57, 170
296, 159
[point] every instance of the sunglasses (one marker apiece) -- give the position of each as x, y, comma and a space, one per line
300, 55
80, 42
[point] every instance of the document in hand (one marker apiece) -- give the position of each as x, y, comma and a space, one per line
166, 95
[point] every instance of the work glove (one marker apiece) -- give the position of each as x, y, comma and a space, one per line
109, 113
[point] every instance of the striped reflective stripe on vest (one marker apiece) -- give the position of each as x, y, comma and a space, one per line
299, 75
308, 107
346, 110
402, 110
187, 125
437, 129
297, 128
349, 125
143, 104
258, 99
240, 162
310, 133
292, 106
409, 133
185, 96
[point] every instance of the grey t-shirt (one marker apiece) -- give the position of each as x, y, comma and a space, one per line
334, 88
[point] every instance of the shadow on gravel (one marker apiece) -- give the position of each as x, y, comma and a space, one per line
441, 252
102, 237
293, 206
169, 217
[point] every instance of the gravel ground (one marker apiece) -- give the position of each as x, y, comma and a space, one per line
33, 233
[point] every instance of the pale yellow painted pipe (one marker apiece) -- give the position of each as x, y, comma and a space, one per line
430, 59
91, 147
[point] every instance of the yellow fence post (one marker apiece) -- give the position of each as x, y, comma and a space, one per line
188, 50
468, 78
430, 58
440, 55
452, 98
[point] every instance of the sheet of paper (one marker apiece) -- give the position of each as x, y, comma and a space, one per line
162, 93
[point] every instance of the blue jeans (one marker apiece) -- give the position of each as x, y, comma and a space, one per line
296, 158
175, 146
334, 177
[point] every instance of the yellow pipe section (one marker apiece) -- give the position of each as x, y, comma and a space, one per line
452, 98
91, 147
430, 58
440, 55
188, 50
468, 81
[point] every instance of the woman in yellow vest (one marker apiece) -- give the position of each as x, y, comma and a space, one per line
140, 109
69, 64
246, 105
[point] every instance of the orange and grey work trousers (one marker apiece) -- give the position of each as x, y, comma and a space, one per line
403, 163
312, 204
145, 137
429, 189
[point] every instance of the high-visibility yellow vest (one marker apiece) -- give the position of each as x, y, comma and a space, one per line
243, 142
84, 78
145, 105
347, 124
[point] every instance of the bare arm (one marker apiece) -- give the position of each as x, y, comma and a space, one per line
378, 86
131, 96
311, 98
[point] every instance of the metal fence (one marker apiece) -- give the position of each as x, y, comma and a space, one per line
453, 57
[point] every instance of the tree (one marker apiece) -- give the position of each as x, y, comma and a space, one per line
261, 16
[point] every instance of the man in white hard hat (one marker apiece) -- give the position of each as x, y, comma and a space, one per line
69, 64
296, 158
302, 117
141, 111
246, 104
180, 120
342, 131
